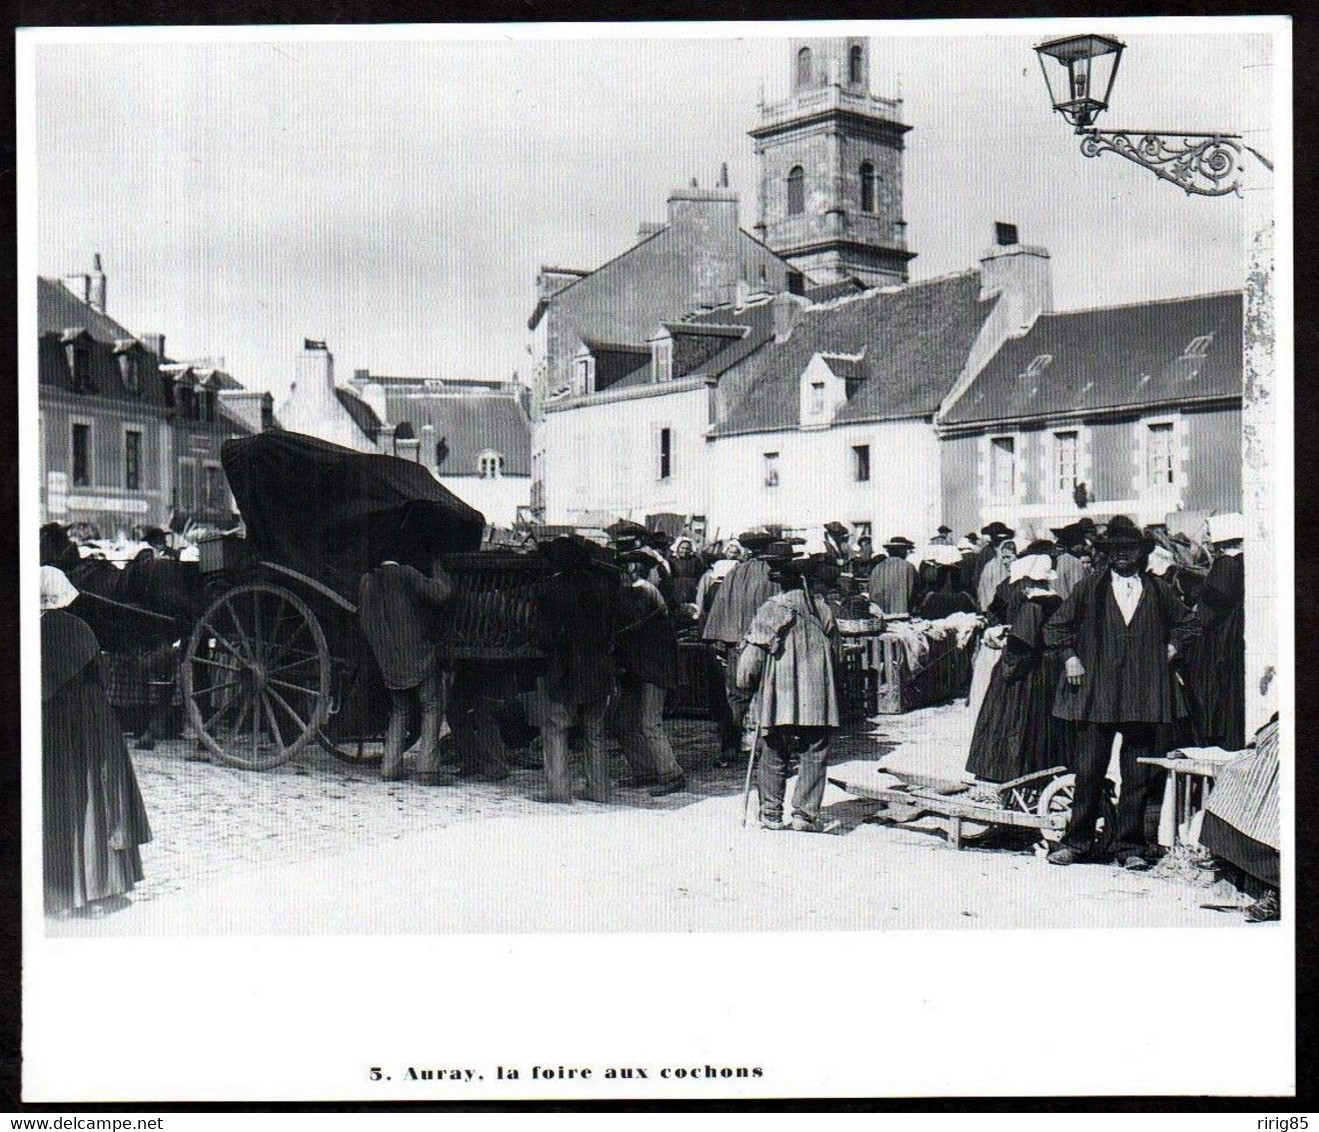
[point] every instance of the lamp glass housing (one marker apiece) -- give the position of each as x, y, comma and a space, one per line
1079, 71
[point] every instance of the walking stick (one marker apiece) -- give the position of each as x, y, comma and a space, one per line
746, 786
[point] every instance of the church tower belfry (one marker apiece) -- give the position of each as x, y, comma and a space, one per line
831, 168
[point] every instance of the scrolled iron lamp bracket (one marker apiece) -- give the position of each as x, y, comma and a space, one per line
1202, 164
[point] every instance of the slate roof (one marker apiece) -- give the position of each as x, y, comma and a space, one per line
914, 340
468, 425
363, 416
1109, 358
58, 308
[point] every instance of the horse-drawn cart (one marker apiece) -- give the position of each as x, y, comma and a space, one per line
277, 660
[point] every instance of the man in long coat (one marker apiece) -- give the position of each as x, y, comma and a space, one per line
396, 607
577, 609
894, 580
788, 659
746, 588
1117, 631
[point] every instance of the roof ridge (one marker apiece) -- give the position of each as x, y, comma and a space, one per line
896, 289
1149, 302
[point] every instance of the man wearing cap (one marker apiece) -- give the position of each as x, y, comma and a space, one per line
944, 537
893, 581
788, 660
1117, 631
745, 589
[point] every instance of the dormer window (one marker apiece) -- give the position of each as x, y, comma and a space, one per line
490, 465
584, 377
1198, 347
1038, 364
661, 359
130, 373
80, 367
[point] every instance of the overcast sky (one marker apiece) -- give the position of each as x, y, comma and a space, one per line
397, 199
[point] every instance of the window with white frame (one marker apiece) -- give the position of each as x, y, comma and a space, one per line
490, 465
186, 490
132, 459
585, 374
1002, 467
81, 463
661, 359
1160, 454
1066, 460
861, 463
771, 468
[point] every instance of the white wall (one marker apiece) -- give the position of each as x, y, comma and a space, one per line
497, 499
605, 457
817, 480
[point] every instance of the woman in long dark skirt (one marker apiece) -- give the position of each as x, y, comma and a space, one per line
93, 820
1015, 732
1218, 659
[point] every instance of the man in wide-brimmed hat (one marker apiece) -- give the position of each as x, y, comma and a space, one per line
743, 591
836, 542
894, 581
788, 661
1072, 564
577, 614
1118, 631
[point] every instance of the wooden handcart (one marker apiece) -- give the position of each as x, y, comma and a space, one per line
1041, 801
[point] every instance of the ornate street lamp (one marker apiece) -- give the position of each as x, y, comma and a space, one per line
1079, 71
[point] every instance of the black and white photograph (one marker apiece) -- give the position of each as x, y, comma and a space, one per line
604, 534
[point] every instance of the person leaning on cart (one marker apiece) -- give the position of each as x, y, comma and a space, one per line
396, 606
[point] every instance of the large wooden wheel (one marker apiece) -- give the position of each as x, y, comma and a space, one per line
1056, 801
256, 676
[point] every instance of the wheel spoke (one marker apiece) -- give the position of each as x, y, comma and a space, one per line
228, 644
243, 634
257, 642
293, 664
302, 726
215, 664
214, 717
293, 687
275, 731
216, 688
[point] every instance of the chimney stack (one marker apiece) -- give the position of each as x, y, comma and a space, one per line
704, 227
1019, 274
785, 309
96, 285
315, 366
155, 343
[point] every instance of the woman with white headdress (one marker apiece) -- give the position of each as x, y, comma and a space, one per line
1015, 732
93, 819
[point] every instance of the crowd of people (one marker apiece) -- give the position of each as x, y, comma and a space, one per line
1094, 633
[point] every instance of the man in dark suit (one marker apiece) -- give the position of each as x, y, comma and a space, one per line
1118, 631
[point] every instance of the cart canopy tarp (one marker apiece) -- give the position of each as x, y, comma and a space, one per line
332, 513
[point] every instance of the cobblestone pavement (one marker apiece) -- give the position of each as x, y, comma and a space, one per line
208, 817
317, 845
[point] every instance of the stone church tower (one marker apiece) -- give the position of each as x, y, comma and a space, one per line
831, 169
